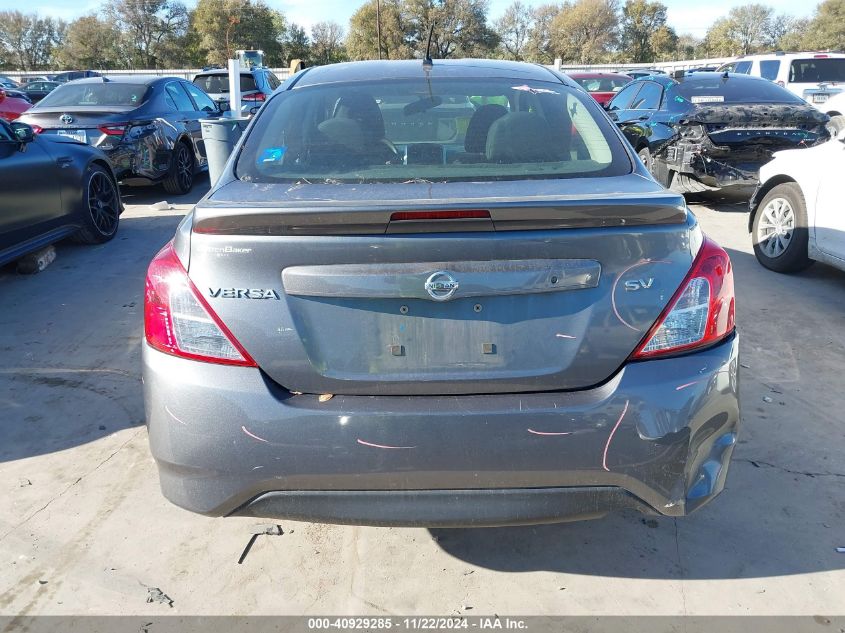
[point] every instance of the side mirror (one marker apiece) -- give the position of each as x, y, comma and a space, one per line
613, 116
23, 132
223, 105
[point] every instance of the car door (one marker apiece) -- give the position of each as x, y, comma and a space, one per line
30, 192
830, 211
641, 110
187, 116
618, 107
204, 108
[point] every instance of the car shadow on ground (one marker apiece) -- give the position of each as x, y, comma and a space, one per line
70, 341
156, 193
782, 510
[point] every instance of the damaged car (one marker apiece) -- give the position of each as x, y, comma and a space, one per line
706, 131
149, 127
439, 294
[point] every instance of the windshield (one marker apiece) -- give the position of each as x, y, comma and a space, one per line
93, 94
438, 131
717, 89
603, 84
817, 70
220, 83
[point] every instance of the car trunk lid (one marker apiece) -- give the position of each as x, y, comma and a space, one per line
551, 287
770, 127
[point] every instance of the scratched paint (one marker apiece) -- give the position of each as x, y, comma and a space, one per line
610, 437
548, 433
363, 443
253, 435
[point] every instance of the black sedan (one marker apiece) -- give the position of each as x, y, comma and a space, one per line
149, 127
37, 90
51, 188
704, 131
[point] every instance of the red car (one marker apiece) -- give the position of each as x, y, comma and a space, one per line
11, 107
601, 86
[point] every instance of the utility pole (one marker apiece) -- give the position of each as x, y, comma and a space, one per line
378, 26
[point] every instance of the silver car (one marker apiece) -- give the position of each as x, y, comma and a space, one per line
439, 295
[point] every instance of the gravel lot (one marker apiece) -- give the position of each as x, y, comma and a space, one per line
84, 529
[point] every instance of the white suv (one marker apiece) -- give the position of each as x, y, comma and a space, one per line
815, 77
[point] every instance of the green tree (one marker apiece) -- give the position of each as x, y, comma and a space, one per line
460, 30
751, 24
826, 30
327, 43
586, 31
514, 31
687, 46
90, 43
29, 39
641, 22
225, 26
540, 47
396, 31
720, 40
148, 27
296, 43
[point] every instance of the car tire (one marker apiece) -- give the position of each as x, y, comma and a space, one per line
782, 216
100, 207
836, 125
645, 156
180, 180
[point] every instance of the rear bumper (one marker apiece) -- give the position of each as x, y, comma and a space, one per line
714, 172
657, 437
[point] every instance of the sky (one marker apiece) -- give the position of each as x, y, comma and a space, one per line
685, 16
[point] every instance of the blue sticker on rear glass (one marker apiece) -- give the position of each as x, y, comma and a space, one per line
271, 155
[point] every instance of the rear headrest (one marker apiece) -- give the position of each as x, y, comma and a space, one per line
523, 137
364, 109
346, 132
475, 141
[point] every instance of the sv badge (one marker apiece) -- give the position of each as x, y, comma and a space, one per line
639, 284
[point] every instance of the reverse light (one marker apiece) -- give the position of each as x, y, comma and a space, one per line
701, 313
178, 321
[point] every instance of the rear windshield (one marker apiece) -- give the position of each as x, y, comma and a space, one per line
106, 94
603, 84
220, 83
813, 71
717, 89
437, 131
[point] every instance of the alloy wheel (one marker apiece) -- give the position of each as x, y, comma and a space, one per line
184, 168
776, 227
103, 203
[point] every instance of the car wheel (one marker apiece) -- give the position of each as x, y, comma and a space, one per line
180, 180
645, 155
836, 125
100, 207
779, 231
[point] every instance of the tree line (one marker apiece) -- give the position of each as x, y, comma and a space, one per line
149, 34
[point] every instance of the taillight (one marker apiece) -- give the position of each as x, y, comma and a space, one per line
113, 129
178, 321
256, 96
701, 313
780, 83
37, 129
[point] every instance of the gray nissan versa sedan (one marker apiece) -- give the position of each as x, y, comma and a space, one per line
439, 295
